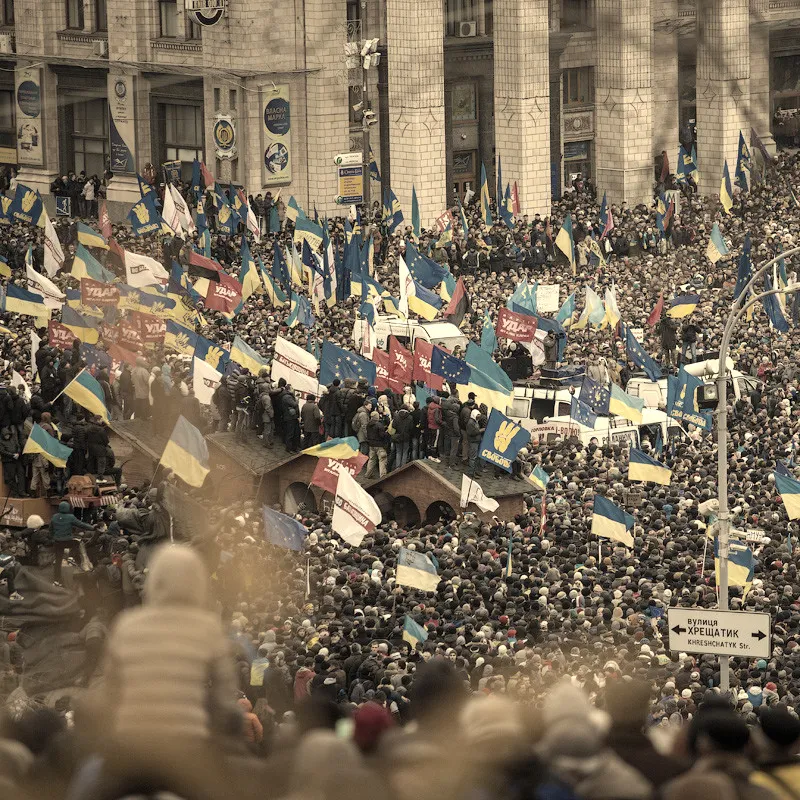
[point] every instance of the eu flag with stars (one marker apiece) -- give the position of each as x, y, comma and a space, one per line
423, 269
339, 363
596, 395
581, 413
283, 531
641, 357
452, 369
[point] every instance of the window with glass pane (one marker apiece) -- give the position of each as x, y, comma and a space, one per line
578, 86
90, 136
7, 129
183, 132
168, 10
576, 14
8, 12
75, 14
101, 15
193, 30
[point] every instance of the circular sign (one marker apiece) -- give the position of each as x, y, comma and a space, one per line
29, 99
206, 12
120, 89
276, 116
224, 135
276, 158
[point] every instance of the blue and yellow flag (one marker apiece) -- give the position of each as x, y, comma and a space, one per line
683, 305
413, 633
486, 211
641, 467
88, 394
539, 478
611, 522
487, 380
393, 212
741, 567
211, 353
26, 206
743, 165
566, 244
248, 275
275, 294
686, 165
300, 313
566, 311
145, 218
21, 301
416, 570
424, 302
90, 237
292, 210
342, 449
502, 440
725, 189
488, 336
789, 490
186, 453
42, 443
84, 328
244, 355
180, 339
623, 405
86, 265
717, 248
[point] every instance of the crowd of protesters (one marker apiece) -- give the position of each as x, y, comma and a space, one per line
548, 677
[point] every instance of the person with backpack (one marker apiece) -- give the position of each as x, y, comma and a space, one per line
434, 422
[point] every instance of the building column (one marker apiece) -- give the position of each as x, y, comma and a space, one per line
522, 99
416, 105
624, 101
760, 108
666, 114
723, 87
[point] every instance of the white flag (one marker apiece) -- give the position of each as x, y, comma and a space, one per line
17, 380
252, 224
53, 253
471, 492
205, 380
143, 271
170, 214
296, 366
184, 215
355, 513
36, 342
53, 296
406, 287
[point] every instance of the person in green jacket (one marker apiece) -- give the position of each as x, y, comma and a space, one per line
61, 526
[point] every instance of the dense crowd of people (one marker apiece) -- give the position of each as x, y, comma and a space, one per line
547, 676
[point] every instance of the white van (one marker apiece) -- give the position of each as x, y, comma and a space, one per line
654, 393
531, 405
618, 430
408, 331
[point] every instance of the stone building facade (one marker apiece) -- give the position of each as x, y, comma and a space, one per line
555, 88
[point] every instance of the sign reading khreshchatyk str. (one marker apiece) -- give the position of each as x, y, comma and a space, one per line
122, 119
277, 135
351, 185
28, 98
224, 136
206, 12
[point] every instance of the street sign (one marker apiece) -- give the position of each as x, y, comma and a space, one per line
724, 633
348, 159
351, 185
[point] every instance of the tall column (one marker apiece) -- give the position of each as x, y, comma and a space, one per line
624, 101
760, 117
416, 105
666, 115
723, 86
522, 99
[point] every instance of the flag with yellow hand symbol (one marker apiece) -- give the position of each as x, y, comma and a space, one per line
502, 440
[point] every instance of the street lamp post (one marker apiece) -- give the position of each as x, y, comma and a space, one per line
739, 308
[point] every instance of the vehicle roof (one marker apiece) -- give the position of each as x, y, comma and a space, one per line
650, 416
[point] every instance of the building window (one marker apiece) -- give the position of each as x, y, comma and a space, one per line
168, 13
90, 136
578, 86
193, 30
75, 14
7, 126
8, 12
576, 14
101, 15
183, 135
577, 160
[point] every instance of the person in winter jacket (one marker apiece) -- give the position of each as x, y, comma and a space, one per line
334, 410
463, 418
266, 414
125, 392
311, 418
62, 525
97, 441
355, 397
474, 432
451, 430
359, 426
377, 440
290, 416
433, 423
141, 389
778, 768
223, 402
403, 424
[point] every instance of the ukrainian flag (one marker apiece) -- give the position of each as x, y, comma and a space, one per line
41, 442
611, 522
412, 633
487, 380
623, 405
86, 265
486, 211
566, 311
612, 315
186, 453
595, 310
394, 214
539, 478
717, 248
424, 302
565, 241
5, 270
84, 328
248, 276
683, 306
740, 567
88, 394
415, 569
725, 189
643, 468
340, 449
789, 490
21, 301
275, 294
292, 209
90, 237
244, 355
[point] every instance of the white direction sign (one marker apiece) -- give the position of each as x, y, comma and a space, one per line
724, 633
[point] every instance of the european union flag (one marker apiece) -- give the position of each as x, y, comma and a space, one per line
283, 531
94, 357
339, 363
279, 269
581, 413
682, 400
773, 308
423, 269
596, 395
452, 369
782, 469
641, 357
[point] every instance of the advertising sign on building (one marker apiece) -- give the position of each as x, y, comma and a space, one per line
206, 12
28, 98
122, 123
277, 136
351, 185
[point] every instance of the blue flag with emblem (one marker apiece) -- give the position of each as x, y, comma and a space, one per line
502, 440
452, 369
282, 530
145, 218
596, 395
423, 269
26, 206
339, 363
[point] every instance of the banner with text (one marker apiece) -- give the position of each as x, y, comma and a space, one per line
122, 123
277, 135
30, 126
518, 327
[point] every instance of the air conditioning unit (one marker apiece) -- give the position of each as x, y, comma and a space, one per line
7, 44
467, 29
101, 48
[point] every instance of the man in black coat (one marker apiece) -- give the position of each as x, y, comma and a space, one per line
97, 443
290, 416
